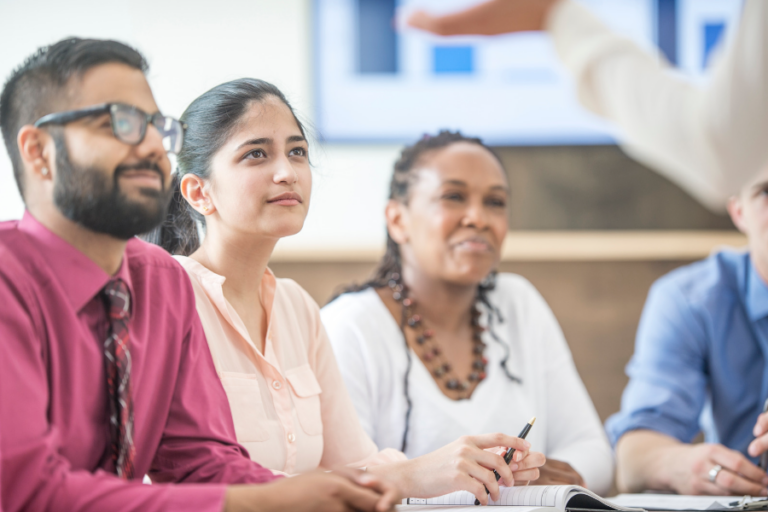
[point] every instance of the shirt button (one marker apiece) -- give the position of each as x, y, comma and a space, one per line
276, 384
291, 437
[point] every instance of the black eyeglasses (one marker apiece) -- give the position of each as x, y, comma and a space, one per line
129, 124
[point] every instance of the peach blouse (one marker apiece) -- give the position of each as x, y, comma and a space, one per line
290, 406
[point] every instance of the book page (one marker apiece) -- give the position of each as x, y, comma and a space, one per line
531, 496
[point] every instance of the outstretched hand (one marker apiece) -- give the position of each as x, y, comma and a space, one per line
466, 465
490, 18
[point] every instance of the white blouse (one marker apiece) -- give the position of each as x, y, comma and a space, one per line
371, 353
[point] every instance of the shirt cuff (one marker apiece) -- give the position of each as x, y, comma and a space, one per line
621, 423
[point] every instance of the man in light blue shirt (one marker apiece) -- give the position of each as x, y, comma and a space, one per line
700, 364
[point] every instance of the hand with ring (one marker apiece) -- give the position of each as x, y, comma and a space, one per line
714, 472
717, 470
652, 460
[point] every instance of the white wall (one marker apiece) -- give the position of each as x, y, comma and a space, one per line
194, 45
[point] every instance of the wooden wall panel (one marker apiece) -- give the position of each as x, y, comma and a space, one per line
596, 187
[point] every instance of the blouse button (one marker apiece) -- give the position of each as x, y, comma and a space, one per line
276, 384
291, 437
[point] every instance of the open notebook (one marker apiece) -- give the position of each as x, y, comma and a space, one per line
534, 497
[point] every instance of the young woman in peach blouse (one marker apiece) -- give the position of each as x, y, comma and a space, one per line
245, 173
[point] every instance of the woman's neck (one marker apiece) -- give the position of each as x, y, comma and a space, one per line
440, 303
242, 260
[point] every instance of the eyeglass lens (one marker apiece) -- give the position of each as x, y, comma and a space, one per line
170, 129
130, 125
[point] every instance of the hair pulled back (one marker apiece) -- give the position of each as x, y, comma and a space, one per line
404, 176
210, 120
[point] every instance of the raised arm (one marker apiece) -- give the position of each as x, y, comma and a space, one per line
709, 140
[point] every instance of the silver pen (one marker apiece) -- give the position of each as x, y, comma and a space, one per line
764, 457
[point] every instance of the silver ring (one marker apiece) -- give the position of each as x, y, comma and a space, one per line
714, 472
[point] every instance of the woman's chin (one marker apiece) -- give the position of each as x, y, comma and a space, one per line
286, 230
469, 277
472, 270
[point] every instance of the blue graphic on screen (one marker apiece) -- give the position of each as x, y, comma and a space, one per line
376, 37
453, 59
377, 83
713, 32
666, 29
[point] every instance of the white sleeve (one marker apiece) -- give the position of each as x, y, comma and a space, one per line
574, 432
710, 140
349, 346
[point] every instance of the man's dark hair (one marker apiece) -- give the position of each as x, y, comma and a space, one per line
38, 86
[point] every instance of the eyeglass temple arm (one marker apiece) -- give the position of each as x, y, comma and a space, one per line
71, 115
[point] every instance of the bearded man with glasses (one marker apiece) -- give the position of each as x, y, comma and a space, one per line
105, 373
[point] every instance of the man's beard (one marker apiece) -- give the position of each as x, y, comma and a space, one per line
84, 196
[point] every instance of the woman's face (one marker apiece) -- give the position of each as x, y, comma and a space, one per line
455, 220
261, 180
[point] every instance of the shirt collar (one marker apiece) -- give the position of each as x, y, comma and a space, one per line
757, 294
213, 283
80, 277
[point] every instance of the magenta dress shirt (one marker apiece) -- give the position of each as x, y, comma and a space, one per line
53, 406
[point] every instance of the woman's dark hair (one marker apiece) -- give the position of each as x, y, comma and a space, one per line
405, 174
210, 120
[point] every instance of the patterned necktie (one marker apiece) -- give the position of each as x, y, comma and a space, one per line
117, 362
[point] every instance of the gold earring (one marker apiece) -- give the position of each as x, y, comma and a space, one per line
205, 208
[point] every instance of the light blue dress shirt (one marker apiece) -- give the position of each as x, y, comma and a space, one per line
700, 355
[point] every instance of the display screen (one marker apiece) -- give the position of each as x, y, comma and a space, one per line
375, 83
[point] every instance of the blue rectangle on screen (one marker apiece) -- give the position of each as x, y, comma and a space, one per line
453, 59
376, 37
713, 32
666, 29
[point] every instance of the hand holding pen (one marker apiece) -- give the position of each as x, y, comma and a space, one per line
467, 464
510, 453
759, 447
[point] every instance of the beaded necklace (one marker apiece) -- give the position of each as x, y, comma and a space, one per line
428, 348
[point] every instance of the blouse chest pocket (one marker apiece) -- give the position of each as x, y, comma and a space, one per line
306, 398
247, 408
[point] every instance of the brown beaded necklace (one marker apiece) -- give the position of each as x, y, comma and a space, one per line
430, 352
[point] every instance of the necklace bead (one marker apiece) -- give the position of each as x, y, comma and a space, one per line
414, 320
432, 354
